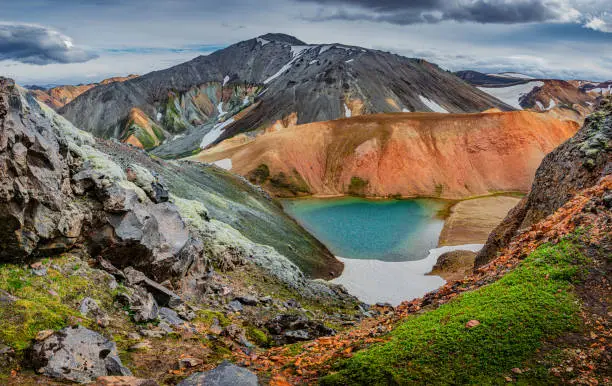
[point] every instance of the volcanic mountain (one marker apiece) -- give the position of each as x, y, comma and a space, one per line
57, 96
405, 154
255, 83
573, 99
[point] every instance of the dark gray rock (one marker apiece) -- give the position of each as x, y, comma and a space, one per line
247, 300
162, 295
170, 316
77, 354
235, 306
226, 374
291, 328
6, 298
143, 306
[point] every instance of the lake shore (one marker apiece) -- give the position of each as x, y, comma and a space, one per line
374, 281
471, 221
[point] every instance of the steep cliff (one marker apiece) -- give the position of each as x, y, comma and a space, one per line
575, 165
413, 154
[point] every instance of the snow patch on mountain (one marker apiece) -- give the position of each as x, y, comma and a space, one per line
263, 42
225, 163
220, 109
512, 95
347, 111
215, 133
433, 106
226, 79
325, 48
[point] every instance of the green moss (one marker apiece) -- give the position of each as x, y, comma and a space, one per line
206, 317
532, 303
47, 302
358, 186
258, 336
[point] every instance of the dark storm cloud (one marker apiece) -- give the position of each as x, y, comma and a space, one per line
424, 11
34, 44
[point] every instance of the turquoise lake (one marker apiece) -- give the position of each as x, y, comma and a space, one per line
387, 230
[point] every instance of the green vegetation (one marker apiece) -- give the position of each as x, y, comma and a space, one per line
259, 175
47, 302
357, 186
535, 302
172, 117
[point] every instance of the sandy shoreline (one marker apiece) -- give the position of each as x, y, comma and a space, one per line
471, 221
374, 281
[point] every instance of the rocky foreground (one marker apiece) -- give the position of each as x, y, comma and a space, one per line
113, 263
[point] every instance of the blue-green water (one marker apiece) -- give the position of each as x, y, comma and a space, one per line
389, 230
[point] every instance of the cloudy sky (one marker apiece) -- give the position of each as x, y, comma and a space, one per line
74, 41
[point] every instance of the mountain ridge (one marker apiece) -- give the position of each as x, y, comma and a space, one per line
315, 82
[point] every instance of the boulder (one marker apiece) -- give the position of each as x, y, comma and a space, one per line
290, 328
163, 296
170, 316
454, 265
235, 306
143, 305
226, 374
77, 354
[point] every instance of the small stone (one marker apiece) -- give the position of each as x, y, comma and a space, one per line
215, 327
472, 323
266, 299
140, 346
44, 334
235, 306
7, 298
247, 300
516, 370
189, 362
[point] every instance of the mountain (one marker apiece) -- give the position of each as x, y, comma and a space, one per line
417, 154
57, 96
254, 83
570, 99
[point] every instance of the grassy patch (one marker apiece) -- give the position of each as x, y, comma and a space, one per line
535, 302
47, 302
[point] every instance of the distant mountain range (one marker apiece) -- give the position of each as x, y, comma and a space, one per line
271, 79
524, 92
56, 96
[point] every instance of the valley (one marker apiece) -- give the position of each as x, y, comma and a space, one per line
278, 212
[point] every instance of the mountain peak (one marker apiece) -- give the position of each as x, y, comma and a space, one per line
278, 37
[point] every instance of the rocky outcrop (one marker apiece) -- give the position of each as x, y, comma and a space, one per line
77, 354
61, 187
454, 265
225, 374
424, 154
577, 164
291, 328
